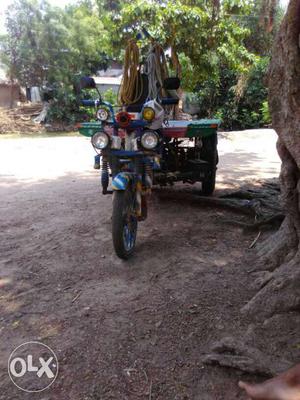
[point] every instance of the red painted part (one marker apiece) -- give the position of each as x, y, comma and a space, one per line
169, 132
123, 119
175, 133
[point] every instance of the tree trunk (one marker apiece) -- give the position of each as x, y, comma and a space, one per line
284, 101
281, 253
279, 296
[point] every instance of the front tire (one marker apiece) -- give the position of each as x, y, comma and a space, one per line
124, 223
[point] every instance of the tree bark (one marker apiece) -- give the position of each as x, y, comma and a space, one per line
284, 100
281, 252
279, 256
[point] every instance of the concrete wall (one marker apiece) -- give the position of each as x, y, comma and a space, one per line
103, 88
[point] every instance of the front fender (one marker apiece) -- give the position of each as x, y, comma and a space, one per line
122, 180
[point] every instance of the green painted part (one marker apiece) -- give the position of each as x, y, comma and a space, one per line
197, 128
89, 128
203, 128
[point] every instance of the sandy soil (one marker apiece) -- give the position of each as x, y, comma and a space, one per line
121, 330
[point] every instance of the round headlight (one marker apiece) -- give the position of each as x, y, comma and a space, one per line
149, 140
102, 114
100, 140
148, 114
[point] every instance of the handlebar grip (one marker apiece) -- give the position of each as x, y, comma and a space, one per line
90, 103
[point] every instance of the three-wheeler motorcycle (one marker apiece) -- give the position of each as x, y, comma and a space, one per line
138, 147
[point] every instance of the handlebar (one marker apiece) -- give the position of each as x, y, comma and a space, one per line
97, 103
90, 103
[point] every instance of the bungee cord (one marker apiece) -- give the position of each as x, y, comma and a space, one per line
157, 71
132, 85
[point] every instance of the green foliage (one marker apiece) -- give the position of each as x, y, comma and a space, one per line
236, 99
263, 24
63, 107
33, 29
266, 116
110, 96
220, 49
202, 37
45, 44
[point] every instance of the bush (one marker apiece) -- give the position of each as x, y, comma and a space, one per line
110, 96
237, 100
254, 95
266, 113
65, 105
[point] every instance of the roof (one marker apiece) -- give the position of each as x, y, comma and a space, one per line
8, 84
108, 80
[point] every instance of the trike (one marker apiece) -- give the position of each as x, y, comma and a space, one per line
138, 146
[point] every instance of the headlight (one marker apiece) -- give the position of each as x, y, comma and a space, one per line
149, 140
148, 114
102, 114
100, 140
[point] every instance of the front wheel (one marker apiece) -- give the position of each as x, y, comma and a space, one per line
124, 223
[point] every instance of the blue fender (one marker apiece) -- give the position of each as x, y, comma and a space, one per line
121, 180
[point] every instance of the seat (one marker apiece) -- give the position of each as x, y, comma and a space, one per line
134, 108
169, 101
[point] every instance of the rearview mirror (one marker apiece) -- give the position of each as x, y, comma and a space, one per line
171, 83
86, 82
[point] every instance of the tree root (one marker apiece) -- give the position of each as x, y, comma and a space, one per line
233, 353
242, 206
264, 202
268, 223
260, 201
277, 249
280, 293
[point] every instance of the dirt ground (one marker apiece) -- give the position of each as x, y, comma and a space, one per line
122, 330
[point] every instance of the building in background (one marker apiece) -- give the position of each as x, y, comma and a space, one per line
110, 78
10, 93
105, 83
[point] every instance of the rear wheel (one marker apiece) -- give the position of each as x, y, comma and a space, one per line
209, 153
209, 182
124, 223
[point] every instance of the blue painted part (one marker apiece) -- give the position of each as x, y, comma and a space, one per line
90, 103
139, 123
97, 103
126, 153
154, 164
97, 161
128, 237
121, 180
110, 107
